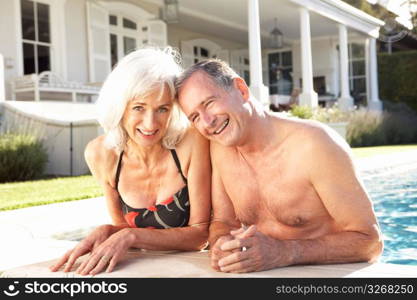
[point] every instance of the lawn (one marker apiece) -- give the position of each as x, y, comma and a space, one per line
30, 193
371, 151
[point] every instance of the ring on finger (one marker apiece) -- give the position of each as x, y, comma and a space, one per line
243, 249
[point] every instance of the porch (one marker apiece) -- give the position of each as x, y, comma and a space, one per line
327, 54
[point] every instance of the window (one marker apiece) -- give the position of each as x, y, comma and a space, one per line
280, 73
357, 72
200, 53
123, 36
36, 37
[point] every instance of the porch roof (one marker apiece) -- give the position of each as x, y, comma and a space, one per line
228, 19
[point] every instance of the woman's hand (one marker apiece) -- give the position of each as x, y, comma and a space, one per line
88, 244
107, 253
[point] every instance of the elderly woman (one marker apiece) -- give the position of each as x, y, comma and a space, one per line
154, 170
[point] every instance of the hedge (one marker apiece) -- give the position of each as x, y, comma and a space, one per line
22, 157
398, 77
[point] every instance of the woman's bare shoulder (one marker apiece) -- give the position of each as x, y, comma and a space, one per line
99, 157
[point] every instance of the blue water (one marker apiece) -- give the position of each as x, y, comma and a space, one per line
394, 195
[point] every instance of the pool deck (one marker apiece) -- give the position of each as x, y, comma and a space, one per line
32, 238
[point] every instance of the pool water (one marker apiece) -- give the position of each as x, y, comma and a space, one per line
394, 195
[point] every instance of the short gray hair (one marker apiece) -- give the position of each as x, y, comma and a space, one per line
219, 71
140, 73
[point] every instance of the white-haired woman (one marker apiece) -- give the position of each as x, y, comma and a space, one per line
154, 170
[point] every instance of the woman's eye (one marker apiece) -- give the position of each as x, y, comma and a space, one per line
138, 108
162, 109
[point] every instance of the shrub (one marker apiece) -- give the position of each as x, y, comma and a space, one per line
364, 129
302, 112
22, 157
325, 115
396, 125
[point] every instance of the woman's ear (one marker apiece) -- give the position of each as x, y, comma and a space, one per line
241, 86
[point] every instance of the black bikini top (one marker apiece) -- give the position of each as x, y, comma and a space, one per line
173, 212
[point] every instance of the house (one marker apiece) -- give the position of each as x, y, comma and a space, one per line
324, 50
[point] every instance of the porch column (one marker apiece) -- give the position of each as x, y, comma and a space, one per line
258, 89
372, 75
345, 100
2, 91
308, 97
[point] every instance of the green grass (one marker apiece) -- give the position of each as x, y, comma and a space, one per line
23, 194
371, 151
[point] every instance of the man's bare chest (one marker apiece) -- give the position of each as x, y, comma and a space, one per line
271, 192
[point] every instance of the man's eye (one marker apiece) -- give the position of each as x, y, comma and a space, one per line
195, 119
209, 102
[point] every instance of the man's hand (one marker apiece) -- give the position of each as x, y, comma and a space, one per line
216, 253
252, 251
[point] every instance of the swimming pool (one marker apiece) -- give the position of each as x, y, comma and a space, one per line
394, 194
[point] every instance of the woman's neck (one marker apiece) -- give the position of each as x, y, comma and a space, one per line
145, 156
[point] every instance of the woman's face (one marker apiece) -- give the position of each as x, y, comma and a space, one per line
146, 119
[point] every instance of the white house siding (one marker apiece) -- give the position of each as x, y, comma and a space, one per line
76, 40
8, 43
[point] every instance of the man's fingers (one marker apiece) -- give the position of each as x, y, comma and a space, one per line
250, 231
235, 244
242, 266
233, 258
237, 231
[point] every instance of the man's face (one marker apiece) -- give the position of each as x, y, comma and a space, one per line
216, 113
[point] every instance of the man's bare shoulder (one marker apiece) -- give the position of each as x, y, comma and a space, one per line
312, 134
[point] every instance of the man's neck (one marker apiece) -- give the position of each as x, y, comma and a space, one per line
260, 134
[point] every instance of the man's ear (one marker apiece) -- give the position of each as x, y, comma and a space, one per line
241, 86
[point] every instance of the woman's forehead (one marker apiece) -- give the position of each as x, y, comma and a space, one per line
155, 97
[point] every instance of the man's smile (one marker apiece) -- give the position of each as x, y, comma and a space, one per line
222, 127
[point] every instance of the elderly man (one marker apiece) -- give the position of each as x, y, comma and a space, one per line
284, 191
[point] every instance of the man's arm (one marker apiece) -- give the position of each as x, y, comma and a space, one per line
357, 236
223, 216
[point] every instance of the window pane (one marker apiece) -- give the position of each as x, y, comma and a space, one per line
113, 20
195, 51
358, 67
113, 49
246, 61
28, 58
44, 59
129, 24
273, 58
43, 23
204, 52
358, 50
359, 86
28, 20
129, 44
286, 59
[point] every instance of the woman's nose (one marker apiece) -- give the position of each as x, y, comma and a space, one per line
149, 120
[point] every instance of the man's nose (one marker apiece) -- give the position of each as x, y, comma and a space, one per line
209, 120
